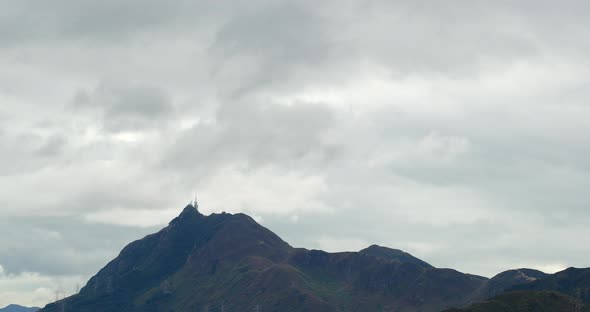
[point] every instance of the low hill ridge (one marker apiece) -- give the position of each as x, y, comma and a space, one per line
18, 308
574, 282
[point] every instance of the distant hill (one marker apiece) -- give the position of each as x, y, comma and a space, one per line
17, 308
507, 280
573, 282
532, 290
528, 301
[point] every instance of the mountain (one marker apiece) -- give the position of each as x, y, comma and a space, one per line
506, 280
573, 282
17, 308
394, 255
532, 290
228, 262
528, 301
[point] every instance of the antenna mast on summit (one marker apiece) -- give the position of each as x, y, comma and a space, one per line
195, 203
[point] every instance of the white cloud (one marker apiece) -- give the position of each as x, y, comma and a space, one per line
133, 217
332, 244
33, 289
265, 191
547, 267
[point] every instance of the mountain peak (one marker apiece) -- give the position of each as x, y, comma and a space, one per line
190, 209
507, 280
188, 213
393, 254
522, 273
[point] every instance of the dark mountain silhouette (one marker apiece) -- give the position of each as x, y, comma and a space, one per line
526, 290
18, 308
394, 254
507, 280
573, 282
531, 290
528, 301
228, 262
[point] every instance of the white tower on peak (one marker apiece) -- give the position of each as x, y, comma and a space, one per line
194, 203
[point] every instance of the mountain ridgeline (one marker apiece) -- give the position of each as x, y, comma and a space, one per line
228, 262
18, 308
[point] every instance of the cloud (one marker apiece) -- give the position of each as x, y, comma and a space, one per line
341, 244
125, 107
31, 22
254, 133
251, 55
133, 217
69, 245
53, 146
265, 191
27, 150
32, 289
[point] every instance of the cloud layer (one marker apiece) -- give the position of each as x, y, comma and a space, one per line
456, 132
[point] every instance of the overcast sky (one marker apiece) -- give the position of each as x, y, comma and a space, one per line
456, 131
